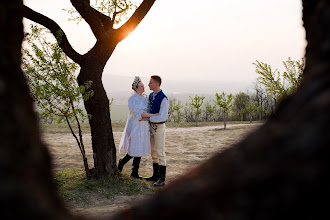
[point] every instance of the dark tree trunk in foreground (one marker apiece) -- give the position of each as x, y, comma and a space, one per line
279, 171
27, 190
92, 64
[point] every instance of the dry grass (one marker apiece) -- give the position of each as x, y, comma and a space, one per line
186, 147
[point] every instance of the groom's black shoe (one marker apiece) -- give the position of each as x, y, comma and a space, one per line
135, 169
162, 174
155, 175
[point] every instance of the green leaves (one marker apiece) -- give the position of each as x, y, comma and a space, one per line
224, 101
52, 81
115, 9
197, 102
174, 106
252, 107
277, 84
51, 76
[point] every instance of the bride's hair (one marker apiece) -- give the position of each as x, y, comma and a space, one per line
135, 83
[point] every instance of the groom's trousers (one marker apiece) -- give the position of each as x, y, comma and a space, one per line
157, 142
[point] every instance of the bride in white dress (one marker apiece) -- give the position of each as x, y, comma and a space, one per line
135, 140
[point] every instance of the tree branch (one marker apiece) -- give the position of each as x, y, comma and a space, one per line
97, 21
106, 20
53, 27
135, 20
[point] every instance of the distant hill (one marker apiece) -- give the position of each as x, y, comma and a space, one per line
119, 87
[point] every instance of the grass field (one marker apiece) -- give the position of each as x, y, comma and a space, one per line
119, 126
187, 145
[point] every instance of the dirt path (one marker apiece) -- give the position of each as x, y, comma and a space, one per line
206, 128
185, 148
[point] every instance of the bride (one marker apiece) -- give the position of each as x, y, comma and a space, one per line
135, 140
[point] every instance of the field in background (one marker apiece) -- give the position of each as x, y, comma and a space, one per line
119, 113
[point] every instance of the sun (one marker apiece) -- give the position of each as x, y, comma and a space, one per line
140, 36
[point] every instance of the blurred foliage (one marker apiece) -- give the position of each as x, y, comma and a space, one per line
280, 85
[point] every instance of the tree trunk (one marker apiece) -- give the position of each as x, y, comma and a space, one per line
27, 190
80, 145
224, 120
104, 149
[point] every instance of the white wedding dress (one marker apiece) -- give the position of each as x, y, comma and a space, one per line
135, 139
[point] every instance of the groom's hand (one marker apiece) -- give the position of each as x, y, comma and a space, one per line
144, 119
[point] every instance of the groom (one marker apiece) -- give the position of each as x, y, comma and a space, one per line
158, 104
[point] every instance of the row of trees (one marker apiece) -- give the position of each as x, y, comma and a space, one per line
269, 89
223, 107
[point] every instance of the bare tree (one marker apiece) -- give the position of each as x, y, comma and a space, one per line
188, 112
92, 64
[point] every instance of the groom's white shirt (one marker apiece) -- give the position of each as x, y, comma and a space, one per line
163, 112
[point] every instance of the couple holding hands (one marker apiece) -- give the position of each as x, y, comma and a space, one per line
144, 132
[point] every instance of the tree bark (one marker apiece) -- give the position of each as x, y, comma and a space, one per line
27, 189
104, 149
225, 119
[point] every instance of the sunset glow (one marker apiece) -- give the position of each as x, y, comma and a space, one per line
216, 41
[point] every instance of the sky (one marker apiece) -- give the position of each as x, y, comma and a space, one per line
197, 41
